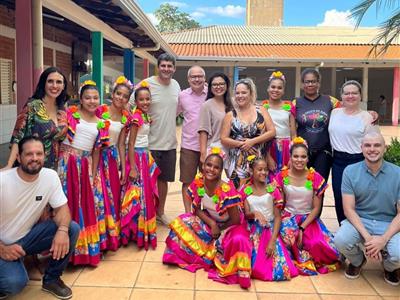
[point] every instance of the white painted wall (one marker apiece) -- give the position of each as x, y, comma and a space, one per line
8, 115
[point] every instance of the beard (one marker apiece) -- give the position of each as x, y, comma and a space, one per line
31, 171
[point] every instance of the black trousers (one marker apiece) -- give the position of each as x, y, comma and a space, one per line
340, 161
321, 161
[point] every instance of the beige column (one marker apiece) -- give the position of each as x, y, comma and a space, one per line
333, 82
298, 82
364, 103
37, 40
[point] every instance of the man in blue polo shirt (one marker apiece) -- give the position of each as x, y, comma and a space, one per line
371, 202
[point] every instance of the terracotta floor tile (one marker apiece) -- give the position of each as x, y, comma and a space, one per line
157, 275
100, 293
298, 285
155, 255
69, 276
110, 274
372, 265
32, 292
162, 233
268, 296
331, 224
349, 297
129, 252
205, 284
375, 278
337, 283
328, 212
159, 294
207, 295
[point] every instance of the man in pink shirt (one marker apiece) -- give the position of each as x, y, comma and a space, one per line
189, 104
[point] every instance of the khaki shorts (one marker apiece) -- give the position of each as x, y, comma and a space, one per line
189, 163
166, 161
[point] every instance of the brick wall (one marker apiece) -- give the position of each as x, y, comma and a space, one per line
7, 17
64, 62
48, 57
57, 35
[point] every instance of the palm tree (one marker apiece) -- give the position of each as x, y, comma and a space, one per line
389, 30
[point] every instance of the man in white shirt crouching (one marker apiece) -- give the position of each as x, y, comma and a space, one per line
24, 193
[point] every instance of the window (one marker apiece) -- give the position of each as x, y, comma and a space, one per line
5, 81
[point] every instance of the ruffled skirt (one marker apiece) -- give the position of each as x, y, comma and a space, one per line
74, 169
318, 254
139, 198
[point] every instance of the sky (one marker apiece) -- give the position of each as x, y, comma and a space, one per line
296, 12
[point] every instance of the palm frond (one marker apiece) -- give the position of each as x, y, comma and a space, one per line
389, 32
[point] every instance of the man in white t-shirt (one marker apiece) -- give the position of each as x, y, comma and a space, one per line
162, 138
24, 193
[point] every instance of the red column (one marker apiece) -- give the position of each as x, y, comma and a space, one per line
396, 95
23, 26
145, 68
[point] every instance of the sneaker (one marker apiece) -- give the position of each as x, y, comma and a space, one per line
163, 219
392, 277
3, 296
353, 272
58, 289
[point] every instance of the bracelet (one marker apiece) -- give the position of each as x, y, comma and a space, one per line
63, 226
66, 231
301, 228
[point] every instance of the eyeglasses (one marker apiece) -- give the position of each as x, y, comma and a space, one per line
218, 84
194, 77
310, 82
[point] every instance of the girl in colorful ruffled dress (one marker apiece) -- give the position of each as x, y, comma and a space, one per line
284, 121
263, 204
139, 173
79, 155
307, 238
108, 204
211, 237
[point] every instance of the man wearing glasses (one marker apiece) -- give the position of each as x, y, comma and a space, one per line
189, 104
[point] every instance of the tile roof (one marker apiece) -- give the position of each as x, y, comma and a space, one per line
283, 52
261, 35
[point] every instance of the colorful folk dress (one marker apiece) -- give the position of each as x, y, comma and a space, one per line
191, 246
279, 266
108, 206
318, 254
75, 171
279, 149
140, 197
238, 168
34, 120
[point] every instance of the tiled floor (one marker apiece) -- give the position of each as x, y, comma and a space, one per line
133, 274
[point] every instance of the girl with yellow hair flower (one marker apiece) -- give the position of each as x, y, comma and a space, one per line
282, 115
116, 114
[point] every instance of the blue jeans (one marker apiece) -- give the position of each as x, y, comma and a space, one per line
347, 240
13, 276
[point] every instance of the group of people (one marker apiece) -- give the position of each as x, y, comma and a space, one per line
114, 163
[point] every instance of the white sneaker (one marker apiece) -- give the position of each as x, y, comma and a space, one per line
163, 219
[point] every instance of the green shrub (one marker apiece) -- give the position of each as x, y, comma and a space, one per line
392, 153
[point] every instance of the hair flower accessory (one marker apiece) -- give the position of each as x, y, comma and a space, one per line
144, 84
298, 141
248, 190
250, 158
277, 75
88, 82
216, 150
123, 80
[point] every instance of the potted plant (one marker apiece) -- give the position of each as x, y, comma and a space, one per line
392, 153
